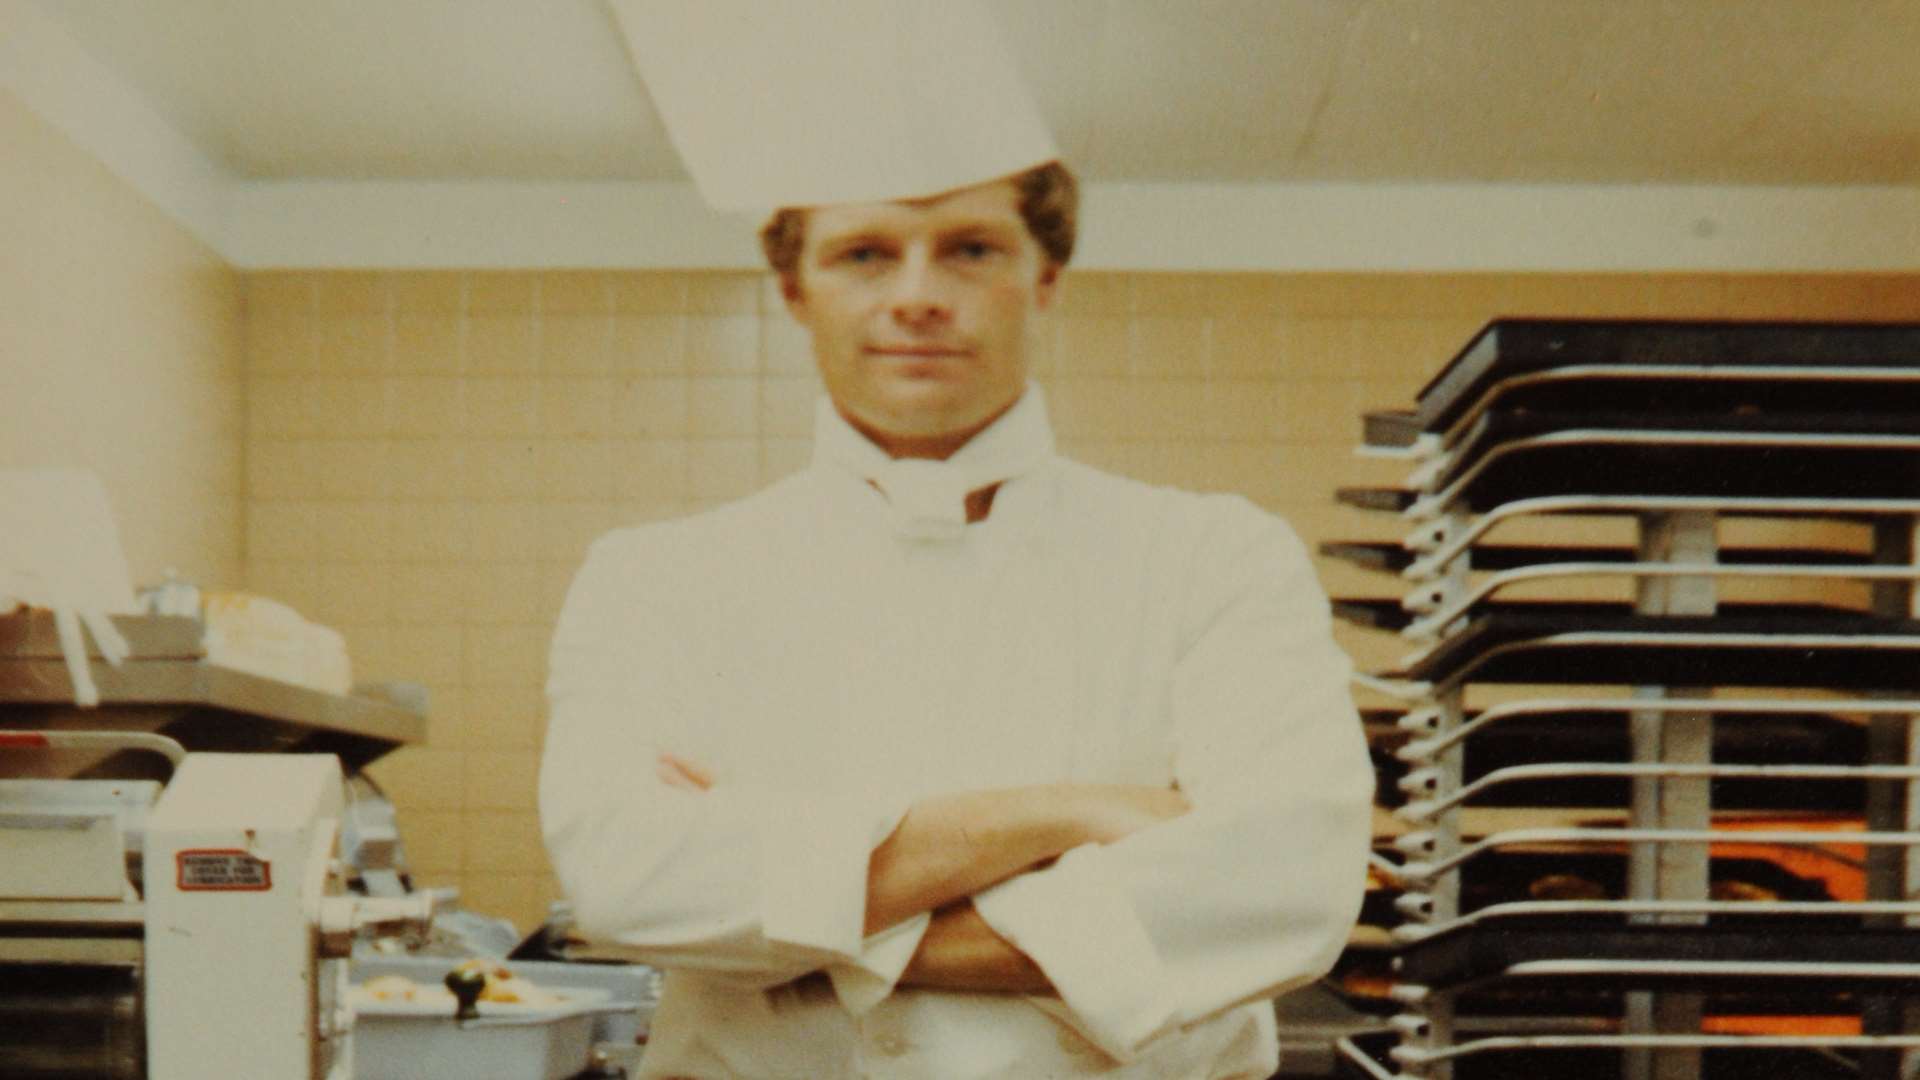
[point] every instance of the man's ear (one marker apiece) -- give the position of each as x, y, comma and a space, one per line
796, 299
1047, 286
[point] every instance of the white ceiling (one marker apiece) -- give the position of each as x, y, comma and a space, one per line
1743, 92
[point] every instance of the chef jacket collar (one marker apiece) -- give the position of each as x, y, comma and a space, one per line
928, 499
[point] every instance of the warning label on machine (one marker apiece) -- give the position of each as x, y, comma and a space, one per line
228, 870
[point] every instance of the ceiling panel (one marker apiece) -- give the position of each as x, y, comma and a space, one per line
1724, 91
1209, 89
1674, 83
1437, 89
348, 89
1856, 116
1627, 90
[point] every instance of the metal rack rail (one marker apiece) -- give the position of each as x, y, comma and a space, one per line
1653, 919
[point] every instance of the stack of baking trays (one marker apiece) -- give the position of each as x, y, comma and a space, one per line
1654, 771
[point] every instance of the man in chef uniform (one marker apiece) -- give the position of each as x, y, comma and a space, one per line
945, 757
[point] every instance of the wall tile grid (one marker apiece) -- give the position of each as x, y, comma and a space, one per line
429, 453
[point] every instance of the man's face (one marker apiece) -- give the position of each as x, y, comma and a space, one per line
919, 312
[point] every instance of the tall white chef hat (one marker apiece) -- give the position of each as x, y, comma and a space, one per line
776, 103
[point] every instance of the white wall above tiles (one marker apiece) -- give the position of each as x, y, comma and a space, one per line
70, 89
1284, 225
1174, 227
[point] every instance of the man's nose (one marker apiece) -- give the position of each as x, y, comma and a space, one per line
918, 299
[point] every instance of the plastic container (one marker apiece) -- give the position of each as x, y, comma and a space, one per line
401, 1040
630, 990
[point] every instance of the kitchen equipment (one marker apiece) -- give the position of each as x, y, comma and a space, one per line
622, 997
397, 1040
247, 922
609, 1009
166, 685
174, 900
1697, 861
218, 951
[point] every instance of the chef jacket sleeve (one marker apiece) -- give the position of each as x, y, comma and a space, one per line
1254, 891
754, 884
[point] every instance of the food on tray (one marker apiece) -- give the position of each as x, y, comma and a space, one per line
503, 987
1741, 891
390, 988
267, 638
1565, 887
1367, 984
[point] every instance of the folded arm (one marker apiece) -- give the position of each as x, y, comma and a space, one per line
1254, 891
744, 881
732, 878
948, 847
1250, 893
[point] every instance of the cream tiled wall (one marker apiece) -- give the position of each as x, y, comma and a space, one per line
119, 352
428, 454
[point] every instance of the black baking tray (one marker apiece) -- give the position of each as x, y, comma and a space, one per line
1389, 428
1517, 875
1604, 1064
1781, 456
1390, 500
1507, 348
1760, 645
1372, 612
1396, 500
1392, 557
1603, 737
1387, 613
1493, 947
1597, 461
1509, 875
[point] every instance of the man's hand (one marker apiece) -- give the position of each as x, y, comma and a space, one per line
961, 952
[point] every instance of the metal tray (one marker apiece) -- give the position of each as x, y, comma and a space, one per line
1532, 1056
1390, 613
1394, 558
1438, 611
1645, 461
1510, 348
167, 687
1438, 544
1744, 645
1709, 959
1811, 397
1602, 738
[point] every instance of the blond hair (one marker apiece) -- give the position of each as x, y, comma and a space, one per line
1049, 204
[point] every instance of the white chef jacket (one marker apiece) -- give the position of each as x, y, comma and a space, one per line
830, 660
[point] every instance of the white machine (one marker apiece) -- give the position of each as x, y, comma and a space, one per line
184, 872
218, 910
248, 926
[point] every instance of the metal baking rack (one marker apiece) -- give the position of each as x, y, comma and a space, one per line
167, 687
1651, 832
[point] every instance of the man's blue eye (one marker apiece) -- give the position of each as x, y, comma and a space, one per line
976, 250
